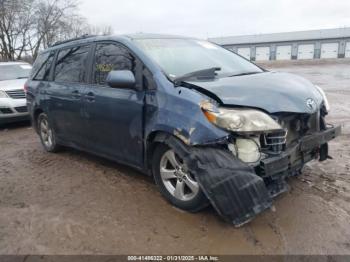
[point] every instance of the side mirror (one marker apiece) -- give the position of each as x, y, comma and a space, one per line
121, 79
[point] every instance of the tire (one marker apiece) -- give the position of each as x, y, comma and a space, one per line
175, 183
47, 134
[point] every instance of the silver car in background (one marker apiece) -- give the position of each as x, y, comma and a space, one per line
13, 76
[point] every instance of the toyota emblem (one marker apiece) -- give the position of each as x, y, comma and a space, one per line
311, 104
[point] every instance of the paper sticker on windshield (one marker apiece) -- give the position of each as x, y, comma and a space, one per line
25, 66
207, 45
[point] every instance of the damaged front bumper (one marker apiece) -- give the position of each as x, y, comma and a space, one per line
239, 191
275, 169
309, 147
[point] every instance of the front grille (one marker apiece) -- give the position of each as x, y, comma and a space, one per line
16, 94
21, 109
274, 142
6, 110
298, 125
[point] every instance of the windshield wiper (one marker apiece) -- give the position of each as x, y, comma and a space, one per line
21, 77
246, 73
208, 73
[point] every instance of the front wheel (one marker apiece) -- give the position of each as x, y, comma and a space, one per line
175, 181
46, 133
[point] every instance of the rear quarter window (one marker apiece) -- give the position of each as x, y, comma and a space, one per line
42, 66
38, 63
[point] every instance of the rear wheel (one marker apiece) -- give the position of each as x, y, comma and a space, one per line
46, 133
175, 182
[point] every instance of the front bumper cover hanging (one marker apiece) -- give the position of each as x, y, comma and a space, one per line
233, 188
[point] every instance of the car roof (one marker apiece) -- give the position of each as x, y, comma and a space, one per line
13, 63
122, 38
154, 36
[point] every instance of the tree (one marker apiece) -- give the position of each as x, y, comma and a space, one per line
52, 18
15, 23
28, 26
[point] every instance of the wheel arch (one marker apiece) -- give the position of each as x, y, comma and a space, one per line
153, 139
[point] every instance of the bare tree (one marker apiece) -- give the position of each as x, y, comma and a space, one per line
51, 18
15, 23
28, 26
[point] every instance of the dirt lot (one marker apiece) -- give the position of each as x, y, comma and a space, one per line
75, 203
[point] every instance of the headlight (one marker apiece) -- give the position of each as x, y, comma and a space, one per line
325, 100
239, 120
3, 94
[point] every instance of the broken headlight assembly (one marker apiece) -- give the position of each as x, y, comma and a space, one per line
247, 123
239, 120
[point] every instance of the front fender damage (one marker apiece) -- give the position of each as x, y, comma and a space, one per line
231, 186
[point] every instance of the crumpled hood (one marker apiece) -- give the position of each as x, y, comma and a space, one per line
7, 85
270, 91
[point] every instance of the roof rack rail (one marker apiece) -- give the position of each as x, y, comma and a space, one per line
72, 39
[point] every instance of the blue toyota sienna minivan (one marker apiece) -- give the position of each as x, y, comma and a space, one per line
210, 126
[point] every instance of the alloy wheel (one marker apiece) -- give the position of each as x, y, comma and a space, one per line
46, 133
176, 178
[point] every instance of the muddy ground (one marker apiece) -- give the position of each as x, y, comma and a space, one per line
75, 203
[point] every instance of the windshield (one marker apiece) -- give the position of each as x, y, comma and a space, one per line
178, 57
14, 71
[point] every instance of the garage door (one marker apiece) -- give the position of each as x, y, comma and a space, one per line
262, 53
306, 51
347, 50
284, 52
244, 51
329, 50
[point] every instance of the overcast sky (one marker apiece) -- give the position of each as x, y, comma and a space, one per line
204, 18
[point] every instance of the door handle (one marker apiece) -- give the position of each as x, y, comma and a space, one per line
76, 94
90, 97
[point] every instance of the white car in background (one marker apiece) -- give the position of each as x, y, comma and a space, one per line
13, 76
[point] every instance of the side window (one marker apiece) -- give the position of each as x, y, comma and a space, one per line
71, 64
110, 57
38, 64
43, 67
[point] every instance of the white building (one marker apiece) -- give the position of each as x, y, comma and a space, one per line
313, 44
